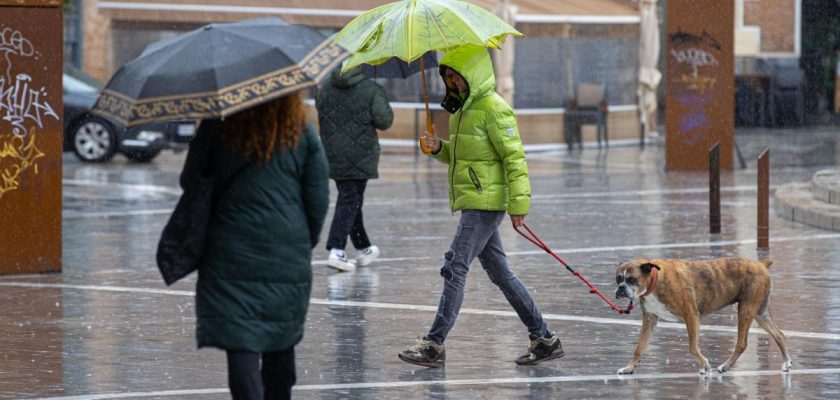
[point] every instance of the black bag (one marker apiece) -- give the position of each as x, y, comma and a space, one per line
183, 239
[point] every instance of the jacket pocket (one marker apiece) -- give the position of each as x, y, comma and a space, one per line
474, 178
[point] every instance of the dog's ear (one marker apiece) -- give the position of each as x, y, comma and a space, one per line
646, 267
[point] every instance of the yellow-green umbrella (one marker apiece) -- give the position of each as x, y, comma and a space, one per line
408, 29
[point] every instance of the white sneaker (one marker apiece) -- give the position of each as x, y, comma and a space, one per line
366, 256
338, 260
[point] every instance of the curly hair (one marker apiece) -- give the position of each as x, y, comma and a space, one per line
257, 132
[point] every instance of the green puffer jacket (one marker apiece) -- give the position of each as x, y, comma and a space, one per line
255, 277
487, 169
351, 108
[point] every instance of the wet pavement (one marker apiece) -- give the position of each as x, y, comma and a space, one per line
107, 327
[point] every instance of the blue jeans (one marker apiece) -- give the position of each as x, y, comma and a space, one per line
478, 235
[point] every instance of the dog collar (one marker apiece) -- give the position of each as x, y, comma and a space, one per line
652, 286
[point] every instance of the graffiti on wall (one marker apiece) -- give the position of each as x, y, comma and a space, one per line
695, 83
23, 111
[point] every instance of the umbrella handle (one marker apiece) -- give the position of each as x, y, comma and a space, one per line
429, 127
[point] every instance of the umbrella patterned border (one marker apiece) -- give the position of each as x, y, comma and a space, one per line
226, 101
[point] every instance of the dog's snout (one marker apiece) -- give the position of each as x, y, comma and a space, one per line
621, 291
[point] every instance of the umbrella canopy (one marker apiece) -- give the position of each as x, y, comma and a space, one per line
407, 29
396, 68
218, 70
649, 75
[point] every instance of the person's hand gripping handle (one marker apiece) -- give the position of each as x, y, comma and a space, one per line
429, 142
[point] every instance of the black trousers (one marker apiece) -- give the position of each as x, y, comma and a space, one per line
274, 381
347, 219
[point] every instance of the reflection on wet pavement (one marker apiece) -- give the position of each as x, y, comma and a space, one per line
107, 326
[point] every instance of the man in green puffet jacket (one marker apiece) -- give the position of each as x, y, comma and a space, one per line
488, 177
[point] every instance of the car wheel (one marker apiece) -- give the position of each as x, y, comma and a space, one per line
141, 156
94, 140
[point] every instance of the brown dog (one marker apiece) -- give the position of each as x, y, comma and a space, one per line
682, 290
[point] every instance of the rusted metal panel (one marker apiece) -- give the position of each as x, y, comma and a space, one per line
837, 86
763, 217
30, 139
700, 83
714, 189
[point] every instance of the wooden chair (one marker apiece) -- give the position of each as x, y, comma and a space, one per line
788, 86
589, 106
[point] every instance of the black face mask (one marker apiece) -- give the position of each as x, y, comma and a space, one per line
453, 101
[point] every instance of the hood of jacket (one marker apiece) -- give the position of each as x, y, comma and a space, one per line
474, 65
347, 79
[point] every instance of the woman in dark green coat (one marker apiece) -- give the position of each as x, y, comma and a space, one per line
255, 277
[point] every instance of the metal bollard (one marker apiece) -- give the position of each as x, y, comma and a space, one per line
714, 189
764, 200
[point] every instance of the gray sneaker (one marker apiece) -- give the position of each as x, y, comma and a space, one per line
365, 256
425, 353
541, 349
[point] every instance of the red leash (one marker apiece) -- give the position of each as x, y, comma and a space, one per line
592, 289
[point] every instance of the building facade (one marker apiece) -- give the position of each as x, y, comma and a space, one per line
116, 31
767, 31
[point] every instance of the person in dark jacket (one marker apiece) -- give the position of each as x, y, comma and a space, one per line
255, 277
351, 107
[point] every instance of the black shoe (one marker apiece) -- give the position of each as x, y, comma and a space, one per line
541, 349
425, 353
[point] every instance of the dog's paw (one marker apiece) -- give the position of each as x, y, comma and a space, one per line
722, 368
705, 367
786, 366
625, 371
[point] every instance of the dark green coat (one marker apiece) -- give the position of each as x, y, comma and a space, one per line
351, 107
255, 277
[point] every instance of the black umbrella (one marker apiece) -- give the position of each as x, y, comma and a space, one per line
396, 68
218, 70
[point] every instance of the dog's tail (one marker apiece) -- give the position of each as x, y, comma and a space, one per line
766, 261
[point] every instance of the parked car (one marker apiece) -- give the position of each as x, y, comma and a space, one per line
96, 139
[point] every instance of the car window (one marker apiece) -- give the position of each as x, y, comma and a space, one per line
73, 85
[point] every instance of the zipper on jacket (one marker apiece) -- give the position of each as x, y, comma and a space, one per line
474, 179
454, 163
